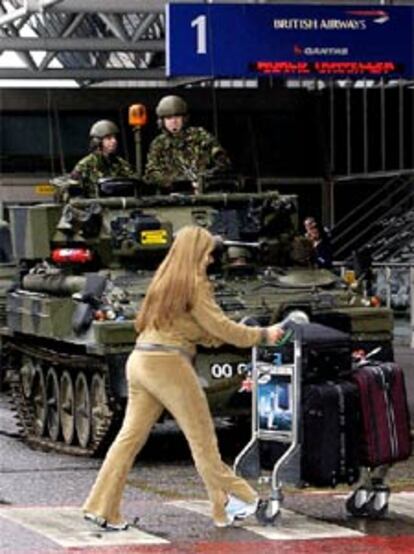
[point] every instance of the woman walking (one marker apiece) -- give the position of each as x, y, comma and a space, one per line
179, 312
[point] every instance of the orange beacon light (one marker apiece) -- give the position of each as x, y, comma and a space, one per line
137, 115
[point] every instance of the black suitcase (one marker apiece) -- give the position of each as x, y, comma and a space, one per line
330, 423
368, 328
326, 353
336, 320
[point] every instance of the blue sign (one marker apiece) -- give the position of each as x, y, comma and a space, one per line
250, 40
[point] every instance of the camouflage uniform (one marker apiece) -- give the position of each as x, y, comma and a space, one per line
185, 155
94, 166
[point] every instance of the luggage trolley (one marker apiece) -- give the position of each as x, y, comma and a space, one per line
277, 419
276, 404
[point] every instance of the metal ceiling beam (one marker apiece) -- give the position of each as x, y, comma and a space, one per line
13, 30
9, 17
28, 7
158, 6
116, 6
77, 44
82, 74
144, 25
74, 23
114, 24
22, 21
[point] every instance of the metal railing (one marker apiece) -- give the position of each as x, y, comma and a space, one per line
393, 283
394, 196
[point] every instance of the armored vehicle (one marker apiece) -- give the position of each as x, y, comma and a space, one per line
82, 271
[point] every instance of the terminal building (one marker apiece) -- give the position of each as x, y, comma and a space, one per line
339, 136
314, 105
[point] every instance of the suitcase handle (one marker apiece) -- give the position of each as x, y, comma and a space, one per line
367, 358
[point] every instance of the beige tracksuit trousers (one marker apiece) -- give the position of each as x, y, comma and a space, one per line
158, 380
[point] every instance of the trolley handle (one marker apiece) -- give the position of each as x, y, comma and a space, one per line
296, 317
291, 324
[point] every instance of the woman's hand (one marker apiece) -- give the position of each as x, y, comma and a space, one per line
274, 334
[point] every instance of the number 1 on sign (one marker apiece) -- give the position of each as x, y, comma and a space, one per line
200, 23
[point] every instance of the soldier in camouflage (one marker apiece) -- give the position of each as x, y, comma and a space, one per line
102, 161
181, 152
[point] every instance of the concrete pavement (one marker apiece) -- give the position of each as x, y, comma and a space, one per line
41, 494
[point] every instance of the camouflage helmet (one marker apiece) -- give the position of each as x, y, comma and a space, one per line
103, 128
171, 105
238, 255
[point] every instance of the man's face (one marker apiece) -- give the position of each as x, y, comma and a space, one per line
309, 223
174, 123
313, 233
109, 145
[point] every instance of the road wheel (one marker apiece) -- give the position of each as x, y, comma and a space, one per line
53, 404
83, 414
67, 407
27, 372
39, 402
99, 404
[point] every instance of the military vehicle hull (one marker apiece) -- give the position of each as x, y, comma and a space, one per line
72, 399
83, 269
7, 275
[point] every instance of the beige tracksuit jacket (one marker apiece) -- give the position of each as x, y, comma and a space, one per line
159, 380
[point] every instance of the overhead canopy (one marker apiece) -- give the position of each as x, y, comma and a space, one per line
92, 40
89, 41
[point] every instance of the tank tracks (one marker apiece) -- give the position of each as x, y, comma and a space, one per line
39, 377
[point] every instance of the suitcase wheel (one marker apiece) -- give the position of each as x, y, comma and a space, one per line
377, 506
356, 504
371, 503
268, 511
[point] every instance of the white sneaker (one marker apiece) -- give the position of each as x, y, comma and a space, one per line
92, 518
237, 509
226, 523
123, 526
105, 525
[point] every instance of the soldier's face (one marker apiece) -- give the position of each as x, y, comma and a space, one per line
109, 144
174, 123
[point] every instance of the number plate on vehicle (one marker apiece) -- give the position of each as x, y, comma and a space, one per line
154, 237
226, 370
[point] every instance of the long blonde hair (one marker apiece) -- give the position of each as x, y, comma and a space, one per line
173, 287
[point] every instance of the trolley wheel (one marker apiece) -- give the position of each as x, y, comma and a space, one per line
356, 504
377, 506
268, 511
